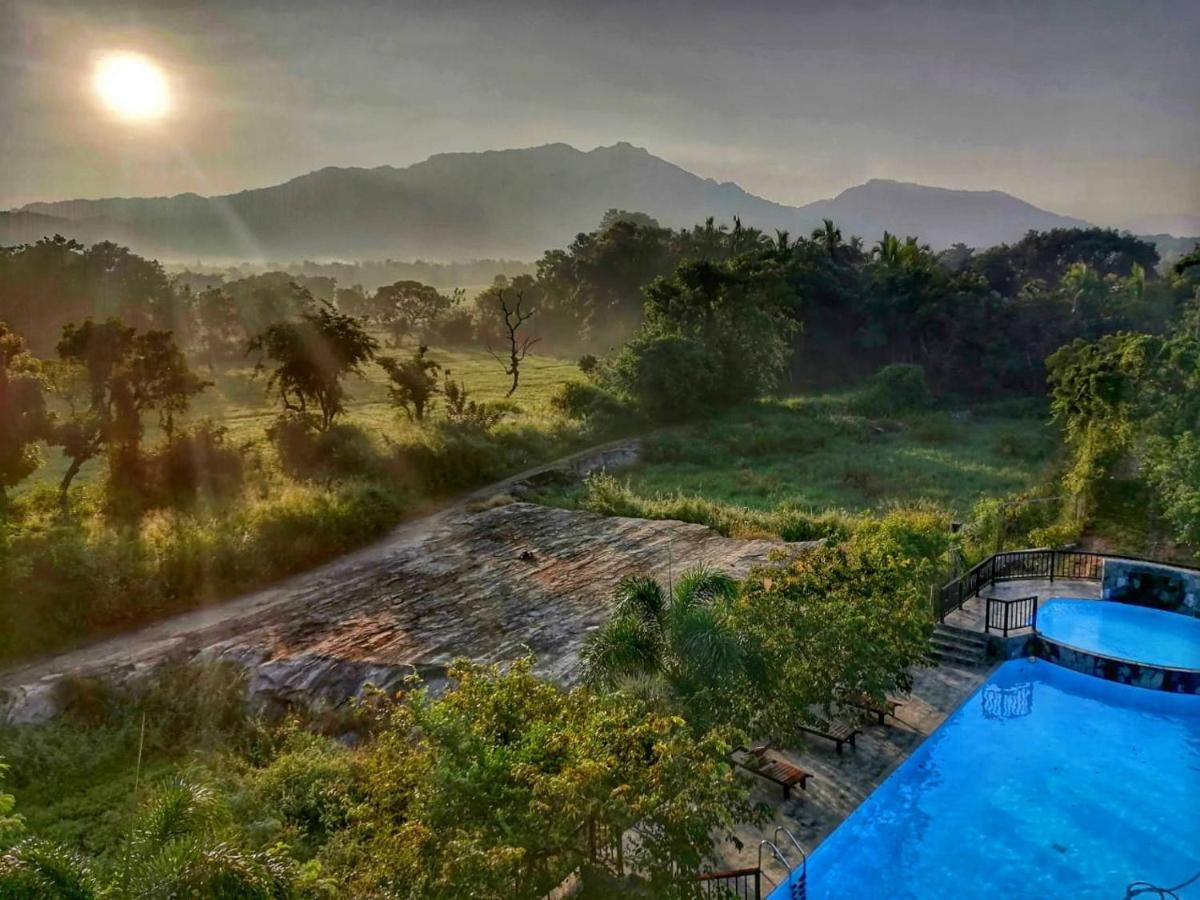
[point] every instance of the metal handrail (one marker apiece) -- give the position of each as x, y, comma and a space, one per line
1015, 565
1022, 609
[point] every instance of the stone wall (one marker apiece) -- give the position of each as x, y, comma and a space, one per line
1153, 585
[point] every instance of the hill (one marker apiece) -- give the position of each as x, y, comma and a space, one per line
503, 203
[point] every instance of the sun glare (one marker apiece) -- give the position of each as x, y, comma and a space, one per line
132, 86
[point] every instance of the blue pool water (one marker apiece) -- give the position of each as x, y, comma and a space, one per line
1120, 631
1045, 783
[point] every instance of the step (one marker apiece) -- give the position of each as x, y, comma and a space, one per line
953, 646
961, 634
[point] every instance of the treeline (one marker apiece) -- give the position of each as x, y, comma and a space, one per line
365, 274
1129, 405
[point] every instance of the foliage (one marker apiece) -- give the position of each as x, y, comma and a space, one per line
895, 389
311, 357
63, 577
670, 378
407, 308
11, 825
843, 618
111, 376
413, 381
683, 638
23, 416
493, 785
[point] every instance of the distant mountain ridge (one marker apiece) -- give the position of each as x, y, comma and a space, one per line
504, 203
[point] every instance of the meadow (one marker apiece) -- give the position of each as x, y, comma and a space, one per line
789, 467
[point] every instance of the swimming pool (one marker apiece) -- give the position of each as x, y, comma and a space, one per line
1045, 783
1120, 631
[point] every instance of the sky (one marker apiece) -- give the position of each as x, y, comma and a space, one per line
1089, 109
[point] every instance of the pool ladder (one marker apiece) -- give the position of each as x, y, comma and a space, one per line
797, 882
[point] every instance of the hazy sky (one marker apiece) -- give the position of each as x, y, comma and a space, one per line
1085, 108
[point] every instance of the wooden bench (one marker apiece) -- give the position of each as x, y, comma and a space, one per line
837, 732
762, 762
878, 708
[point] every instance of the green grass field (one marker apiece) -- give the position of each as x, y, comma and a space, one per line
812, 454
238, 400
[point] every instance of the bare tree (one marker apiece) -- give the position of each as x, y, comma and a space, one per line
518, 347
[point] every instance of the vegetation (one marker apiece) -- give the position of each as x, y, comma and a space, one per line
933, 411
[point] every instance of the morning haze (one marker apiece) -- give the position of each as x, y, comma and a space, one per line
519, 450
1088, 109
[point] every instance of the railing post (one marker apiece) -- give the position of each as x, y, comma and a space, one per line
1052, 565
757, 884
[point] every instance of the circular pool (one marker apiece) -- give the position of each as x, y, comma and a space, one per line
1121, 632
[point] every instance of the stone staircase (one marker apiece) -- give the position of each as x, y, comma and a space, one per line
958, 646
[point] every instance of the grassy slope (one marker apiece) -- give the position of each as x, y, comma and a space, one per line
810, 454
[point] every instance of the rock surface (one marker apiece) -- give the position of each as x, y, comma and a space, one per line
490, 585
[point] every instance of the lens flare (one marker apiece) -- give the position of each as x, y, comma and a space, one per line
132, 87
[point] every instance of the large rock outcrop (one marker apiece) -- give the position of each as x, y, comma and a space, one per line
490, 585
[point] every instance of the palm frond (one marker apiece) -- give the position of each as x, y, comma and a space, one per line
37, 869
626, 646
640, 596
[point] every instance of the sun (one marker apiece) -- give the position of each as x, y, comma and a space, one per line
132, 86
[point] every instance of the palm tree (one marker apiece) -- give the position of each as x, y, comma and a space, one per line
830, 236
174, 850
684, 646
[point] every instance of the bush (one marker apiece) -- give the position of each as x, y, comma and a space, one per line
342, 451
587, 402
670, 378
895, 388
310, 785
196, 463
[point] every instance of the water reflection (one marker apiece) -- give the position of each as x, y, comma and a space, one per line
1011, 702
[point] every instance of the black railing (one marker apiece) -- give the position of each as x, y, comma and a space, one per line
1010, 615
606, 846
745, 884
1080, 565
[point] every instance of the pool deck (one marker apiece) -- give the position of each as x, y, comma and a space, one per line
841, 782
970, 616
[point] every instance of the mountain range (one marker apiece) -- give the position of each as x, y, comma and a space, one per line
501, 203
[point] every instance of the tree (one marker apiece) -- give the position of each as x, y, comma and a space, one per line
408, 307
714, 334
684, 642
414, 382
110, 376
311, 357
23, 417
222, 335
497, 783
842, 619
518, 347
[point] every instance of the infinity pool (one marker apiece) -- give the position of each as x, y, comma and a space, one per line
1119, 631
1045, 783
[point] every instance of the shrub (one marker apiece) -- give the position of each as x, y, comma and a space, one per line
197, 462
588, 402
671, 378
341, 451
895, 388
312, 784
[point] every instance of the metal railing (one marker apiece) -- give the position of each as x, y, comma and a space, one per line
1010, 615
1014, 565
745, 884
